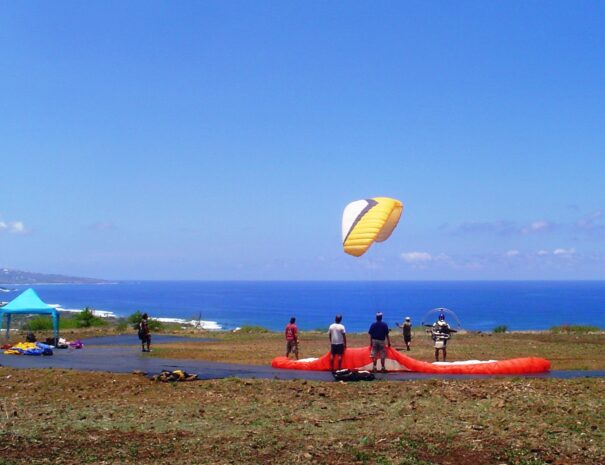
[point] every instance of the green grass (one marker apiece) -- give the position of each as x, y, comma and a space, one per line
575, 329
251, 329
44, 323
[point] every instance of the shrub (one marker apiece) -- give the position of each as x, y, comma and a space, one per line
45, 323
68, 323
134, 320
40, 323
155, 325
122, 325
500, 329
86, 319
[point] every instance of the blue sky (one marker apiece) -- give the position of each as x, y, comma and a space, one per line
221, 140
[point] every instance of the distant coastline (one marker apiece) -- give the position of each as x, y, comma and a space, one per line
199, 324
10, 277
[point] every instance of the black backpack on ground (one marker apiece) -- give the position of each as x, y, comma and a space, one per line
353, 375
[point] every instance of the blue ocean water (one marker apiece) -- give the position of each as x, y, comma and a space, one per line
479, 305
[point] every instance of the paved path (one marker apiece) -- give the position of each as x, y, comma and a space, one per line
121, 354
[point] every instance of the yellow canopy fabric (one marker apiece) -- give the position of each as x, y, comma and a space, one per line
367, 221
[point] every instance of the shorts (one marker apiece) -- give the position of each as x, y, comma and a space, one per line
407, 338
378, 347
145, 338
440, 343
337, 349
291, 346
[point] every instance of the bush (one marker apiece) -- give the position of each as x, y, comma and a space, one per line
45, 323
122, 325
86, 319
68, 323
40, 323
575, 329
155, 325
500, 329
134, 320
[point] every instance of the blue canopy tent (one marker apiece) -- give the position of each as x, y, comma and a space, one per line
28, 303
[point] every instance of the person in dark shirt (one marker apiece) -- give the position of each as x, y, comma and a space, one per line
407, 331
379, 333
144, 333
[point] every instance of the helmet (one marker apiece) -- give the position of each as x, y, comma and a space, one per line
442, 316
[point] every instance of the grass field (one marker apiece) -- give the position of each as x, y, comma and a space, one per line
566, 351
66, 417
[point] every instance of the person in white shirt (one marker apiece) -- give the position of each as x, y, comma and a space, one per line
441, 333
338, 341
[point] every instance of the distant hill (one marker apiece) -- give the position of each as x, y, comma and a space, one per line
25, 277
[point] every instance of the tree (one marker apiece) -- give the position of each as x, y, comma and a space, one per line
135, 319
86, 319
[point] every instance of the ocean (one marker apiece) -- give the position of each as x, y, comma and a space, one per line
478, 305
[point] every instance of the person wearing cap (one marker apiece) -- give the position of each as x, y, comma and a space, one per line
441, 334
379, 333
407, 331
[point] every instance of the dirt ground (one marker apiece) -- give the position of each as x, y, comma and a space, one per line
66, 417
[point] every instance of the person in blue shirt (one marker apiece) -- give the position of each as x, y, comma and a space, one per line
379, 334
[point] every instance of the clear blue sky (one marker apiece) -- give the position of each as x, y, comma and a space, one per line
221, 140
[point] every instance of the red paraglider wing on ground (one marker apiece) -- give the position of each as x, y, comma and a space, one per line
359, 359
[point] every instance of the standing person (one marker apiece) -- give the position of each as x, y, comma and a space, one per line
338, 341
144, 333
440, 333
379, 332
407, 331
292, 338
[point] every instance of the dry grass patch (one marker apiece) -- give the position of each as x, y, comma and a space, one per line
565, 351
57, 416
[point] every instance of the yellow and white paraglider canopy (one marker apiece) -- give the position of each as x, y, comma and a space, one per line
367, 221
